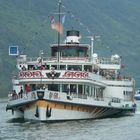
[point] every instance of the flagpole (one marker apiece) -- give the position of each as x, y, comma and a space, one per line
58, 66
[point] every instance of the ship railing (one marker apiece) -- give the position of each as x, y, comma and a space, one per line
98, 60
15, 96
31, 59
12, 96
75, 58
26, 95
124, 78
113, 77
104, 60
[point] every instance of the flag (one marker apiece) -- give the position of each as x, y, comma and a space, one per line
58, 27
63, 19
122, 66
52, 20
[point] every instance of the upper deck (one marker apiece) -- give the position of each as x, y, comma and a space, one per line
72, 52
75, 69
100, 62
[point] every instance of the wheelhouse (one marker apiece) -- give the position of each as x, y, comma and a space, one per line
70, 50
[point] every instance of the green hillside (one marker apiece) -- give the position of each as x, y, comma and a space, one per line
25, 23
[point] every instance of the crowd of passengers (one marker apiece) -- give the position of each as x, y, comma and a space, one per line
16, 95
33, 87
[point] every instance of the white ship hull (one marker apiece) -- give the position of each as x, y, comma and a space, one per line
43, 110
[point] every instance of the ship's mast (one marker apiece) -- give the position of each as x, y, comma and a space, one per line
59, 16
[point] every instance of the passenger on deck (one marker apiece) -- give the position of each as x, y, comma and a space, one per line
95, 71
27, 88
134, 107
45, 87
34, 87
119, 77
14, 95
21, 92
23, 68
42, 67
73, 90
67, 90
35, 67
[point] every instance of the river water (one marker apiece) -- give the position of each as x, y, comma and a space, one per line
122, 128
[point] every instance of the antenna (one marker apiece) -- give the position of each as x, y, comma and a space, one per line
92, 43
92, 38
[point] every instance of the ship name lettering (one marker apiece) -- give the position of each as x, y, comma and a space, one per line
30, 74
75, 74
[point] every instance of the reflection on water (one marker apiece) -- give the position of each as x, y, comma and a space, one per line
124, 128
16, 120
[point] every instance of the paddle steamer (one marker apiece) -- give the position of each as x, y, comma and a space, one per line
74, 83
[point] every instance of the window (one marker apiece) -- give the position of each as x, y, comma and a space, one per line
73, 89
54, 87
128, 95
88, 68
47, 67
75, 67
82, 52
80, 89
63, 67
69, 52
86, 90
30, 67
65, 88
54, 66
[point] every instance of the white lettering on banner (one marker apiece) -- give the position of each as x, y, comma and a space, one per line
67, 74
76, 75
30, 74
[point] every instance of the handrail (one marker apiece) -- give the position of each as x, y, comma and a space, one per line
98, 60
104, 60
